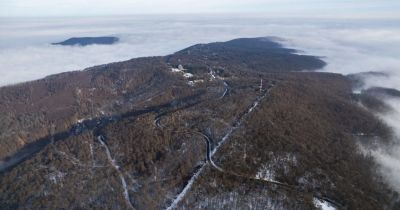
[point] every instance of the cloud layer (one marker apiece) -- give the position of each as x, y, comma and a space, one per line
349, 46
26, 53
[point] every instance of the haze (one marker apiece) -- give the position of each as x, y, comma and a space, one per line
282, 8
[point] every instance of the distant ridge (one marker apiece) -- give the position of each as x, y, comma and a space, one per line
83, 41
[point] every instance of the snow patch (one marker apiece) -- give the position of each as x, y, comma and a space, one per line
81, 120
267, 170
194, 82
188, 75
175, 70
357, 91
57, 177
323, 205
179, 69
212, 74
265, 173
182, 71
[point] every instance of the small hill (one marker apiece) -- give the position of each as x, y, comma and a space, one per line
84, 41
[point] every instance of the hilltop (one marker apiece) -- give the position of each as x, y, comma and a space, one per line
84, 41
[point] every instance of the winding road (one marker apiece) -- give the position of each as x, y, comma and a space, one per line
97, 124
211, 152
269, 182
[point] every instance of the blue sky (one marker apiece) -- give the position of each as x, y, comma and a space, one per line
281, 8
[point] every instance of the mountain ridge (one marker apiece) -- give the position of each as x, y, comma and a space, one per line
132, 134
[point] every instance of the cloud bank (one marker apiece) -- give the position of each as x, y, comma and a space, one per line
26, 53
348, 46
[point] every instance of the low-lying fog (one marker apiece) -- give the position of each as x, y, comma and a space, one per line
349, 46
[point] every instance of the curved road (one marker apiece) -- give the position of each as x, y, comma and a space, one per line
211, 152
287, 186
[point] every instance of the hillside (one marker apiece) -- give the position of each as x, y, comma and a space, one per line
225, 125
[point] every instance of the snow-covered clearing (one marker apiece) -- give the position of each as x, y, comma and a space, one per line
116, 166
182, 194
323, 205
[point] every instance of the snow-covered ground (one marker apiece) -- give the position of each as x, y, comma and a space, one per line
267, 170
185, 190
323, 205
188, 75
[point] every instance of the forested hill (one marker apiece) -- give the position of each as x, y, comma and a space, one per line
84, 41
225, 125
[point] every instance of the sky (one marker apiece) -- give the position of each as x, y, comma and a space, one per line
304, 8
